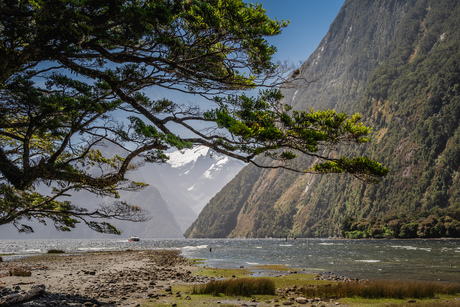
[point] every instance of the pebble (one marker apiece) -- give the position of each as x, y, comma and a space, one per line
332, 277
112, 287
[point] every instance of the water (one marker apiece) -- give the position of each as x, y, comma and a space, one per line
429, 260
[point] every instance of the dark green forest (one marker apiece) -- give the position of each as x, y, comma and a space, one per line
442, 223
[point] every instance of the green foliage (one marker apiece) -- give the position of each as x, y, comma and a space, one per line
265, 120
16, 205
237, 287
96, 58
435, 224
361, 165
382, 289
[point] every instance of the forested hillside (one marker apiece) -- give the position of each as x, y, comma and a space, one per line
398, 64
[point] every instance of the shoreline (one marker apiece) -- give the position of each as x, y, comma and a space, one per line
98, 279
134, 278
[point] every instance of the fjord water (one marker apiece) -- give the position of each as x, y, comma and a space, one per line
427, 260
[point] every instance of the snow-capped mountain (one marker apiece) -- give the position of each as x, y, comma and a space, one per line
202, 173
200, 167
191, 177
181, 158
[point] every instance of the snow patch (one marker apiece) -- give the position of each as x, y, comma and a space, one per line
183, 157
222, 161
295, 94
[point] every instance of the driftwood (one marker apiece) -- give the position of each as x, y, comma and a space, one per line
7, 300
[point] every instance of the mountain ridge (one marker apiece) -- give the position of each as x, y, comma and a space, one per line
397, 63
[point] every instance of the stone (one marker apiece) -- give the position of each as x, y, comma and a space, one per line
301, 300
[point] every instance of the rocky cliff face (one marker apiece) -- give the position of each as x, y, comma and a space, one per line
398, 64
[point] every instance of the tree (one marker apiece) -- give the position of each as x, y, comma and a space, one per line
75, 75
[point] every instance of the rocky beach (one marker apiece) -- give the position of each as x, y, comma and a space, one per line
94, 279
161, 277
122, 278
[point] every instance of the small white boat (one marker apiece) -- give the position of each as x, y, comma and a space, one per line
133, 239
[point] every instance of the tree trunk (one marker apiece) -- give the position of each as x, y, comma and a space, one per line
22, 297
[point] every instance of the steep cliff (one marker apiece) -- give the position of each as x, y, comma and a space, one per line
398, 64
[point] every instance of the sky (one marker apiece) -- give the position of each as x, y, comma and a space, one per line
309, 22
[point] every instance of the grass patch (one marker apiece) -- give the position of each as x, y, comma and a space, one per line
237, 287
300, 280
196, 261
382, 289
228, 288
272, 267
447, 301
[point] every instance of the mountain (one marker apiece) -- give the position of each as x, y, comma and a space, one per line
177, 192
397, 63
189, 179
161, 225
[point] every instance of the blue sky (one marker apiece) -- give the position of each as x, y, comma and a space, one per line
309, 23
